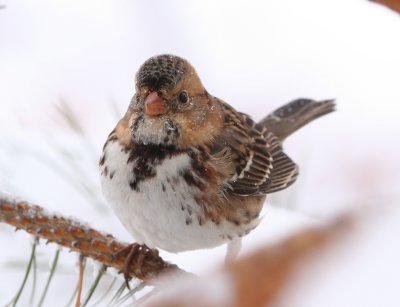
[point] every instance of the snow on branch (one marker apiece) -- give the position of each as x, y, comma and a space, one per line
79, 237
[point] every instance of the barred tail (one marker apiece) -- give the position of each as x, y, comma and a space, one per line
294, 115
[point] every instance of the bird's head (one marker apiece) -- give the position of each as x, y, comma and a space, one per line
171, 106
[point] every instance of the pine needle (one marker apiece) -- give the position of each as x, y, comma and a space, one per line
117, 294
130, 294
80, 281
106, 292
94, 286
70, 117
34, 281
72, 296
52, 270
28, 269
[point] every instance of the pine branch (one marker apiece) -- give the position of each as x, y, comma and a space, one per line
81, 238
393, 4
257, 279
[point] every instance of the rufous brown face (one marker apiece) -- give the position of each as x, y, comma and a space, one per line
171, 106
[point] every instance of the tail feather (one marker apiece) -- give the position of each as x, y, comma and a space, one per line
280, 124
294, 115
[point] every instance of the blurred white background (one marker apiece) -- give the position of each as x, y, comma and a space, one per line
255, 55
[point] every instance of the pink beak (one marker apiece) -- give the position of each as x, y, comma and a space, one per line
154, 105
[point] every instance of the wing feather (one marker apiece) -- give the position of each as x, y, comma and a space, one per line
261, 166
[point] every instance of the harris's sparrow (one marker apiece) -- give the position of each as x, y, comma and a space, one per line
184, 170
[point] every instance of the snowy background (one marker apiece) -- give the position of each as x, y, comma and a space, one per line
58, 57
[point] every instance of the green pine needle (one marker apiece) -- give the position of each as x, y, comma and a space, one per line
52, 270
94, 286
117, 294
15, 300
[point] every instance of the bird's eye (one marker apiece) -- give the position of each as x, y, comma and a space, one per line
183, 97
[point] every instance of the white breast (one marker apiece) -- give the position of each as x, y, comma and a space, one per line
164, 213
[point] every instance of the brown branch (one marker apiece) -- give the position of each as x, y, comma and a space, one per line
261, 276
257, 279
80, 238
393, 4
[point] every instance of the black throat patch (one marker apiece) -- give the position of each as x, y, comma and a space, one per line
147, 158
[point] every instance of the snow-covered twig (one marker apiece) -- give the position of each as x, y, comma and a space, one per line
79, 237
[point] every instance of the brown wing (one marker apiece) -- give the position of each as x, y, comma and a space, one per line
284, 171
260, 165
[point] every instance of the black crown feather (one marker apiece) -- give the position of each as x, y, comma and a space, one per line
161, 72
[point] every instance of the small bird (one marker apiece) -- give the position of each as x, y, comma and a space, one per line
183, 170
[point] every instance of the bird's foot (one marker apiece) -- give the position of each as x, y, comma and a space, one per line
135, 252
